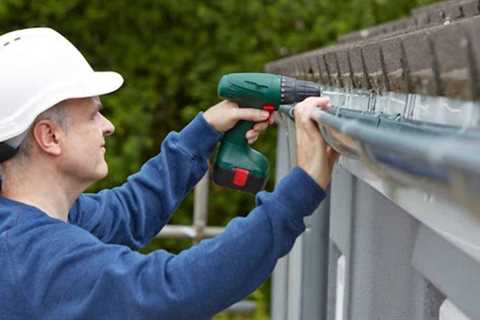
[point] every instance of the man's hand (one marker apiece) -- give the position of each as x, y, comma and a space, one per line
224, 115
313, 154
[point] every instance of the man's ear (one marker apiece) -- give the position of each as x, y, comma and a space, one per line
47, 135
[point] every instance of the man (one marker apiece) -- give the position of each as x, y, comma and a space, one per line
68, 255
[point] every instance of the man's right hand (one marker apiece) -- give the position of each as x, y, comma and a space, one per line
314, 155
224, 116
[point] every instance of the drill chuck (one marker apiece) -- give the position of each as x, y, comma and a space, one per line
293, 90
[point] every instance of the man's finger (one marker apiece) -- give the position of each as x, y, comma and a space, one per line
250, 141
317, 101
251, 114
273, 117
251, 134
260, 126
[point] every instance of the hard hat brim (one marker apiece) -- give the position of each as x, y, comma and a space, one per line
96, 84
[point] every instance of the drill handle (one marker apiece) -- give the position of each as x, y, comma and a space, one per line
238, 132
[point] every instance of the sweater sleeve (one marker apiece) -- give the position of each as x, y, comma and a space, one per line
136, 211
80, 277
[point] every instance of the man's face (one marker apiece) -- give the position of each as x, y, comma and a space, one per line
83, 153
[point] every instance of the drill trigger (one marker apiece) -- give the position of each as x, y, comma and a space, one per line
270, 108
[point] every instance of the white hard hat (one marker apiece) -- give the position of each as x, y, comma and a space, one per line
38, 69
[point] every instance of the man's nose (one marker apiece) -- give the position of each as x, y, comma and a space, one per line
108, 127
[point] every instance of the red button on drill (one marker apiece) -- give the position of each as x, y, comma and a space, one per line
269, 107
240, 177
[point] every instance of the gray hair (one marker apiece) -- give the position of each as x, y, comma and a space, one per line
58, 113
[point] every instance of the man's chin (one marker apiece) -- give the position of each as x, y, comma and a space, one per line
101, 173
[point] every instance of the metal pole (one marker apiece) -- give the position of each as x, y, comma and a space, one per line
187, 232
200, 208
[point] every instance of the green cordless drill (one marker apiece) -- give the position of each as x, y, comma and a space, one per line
238, 166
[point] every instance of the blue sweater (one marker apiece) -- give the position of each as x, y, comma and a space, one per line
87, 268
